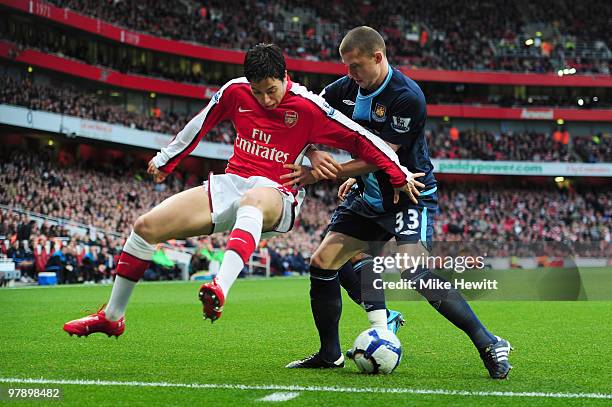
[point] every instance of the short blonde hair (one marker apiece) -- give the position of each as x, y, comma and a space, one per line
365, 40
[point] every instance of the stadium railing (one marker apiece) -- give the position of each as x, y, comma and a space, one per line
8, 272
259, 261
72, 226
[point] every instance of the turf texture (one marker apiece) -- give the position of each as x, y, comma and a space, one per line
560, 348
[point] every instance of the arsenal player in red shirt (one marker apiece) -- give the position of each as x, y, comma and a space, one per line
275, 120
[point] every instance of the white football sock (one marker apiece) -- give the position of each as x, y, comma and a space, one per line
378, 318
120, 296
248, 219
230, 269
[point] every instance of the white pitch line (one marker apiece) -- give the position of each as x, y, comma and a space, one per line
280, 396
53, 287
331, 389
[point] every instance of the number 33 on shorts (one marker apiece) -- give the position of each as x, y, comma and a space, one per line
407, 222
414, 224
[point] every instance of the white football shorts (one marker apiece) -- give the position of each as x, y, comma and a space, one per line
225, 191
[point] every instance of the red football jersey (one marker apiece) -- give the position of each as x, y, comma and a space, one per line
268, 139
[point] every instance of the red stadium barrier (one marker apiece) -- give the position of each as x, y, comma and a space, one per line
146, 84
110, 31
108, 76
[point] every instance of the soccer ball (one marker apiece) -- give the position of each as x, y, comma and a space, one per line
376, 350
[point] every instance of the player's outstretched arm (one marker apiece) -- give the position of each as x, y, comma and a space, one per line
332, 128
325, 167
359, 167
341, 132
305, 175
218, 109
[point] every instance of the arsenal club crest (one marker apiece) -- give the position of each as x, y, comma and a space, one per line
380, 113
291, 118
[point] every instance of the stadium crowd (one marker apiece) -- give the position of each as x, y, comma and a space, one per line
133, 61
456, 35
469, 144
70, 101
105, 201
525, 146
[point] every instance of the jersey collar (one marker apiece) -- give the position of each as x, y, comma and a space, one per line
363, 104
287, 88
380, 88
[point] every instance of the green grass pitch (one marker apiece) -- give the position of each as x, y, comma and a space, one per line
560, 347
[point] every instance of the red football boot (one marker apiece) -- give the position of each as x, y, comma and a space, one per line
212, 299
95, 323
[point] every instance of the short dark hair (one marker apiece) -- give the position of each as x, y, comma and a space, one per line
264, 61
364, 39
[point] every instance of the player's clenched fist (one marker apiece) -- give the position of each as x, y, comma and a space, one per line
158, 176
323, 165
299, 175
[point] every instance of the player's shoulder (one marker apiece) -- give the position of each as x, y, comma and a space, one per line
342, 91
237, 82
405, 88
309, 100
232, 86
407, 95
341, 85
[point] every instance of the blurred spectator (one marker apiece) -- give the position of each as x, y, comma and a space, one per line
162, 267
204, 254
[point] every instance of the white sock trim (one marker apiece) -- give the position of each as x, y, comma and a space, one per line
138, 247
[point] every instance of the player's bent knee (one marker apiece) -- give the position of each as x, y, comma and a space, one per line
253, 198
318, 261
264, 200
144, 229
